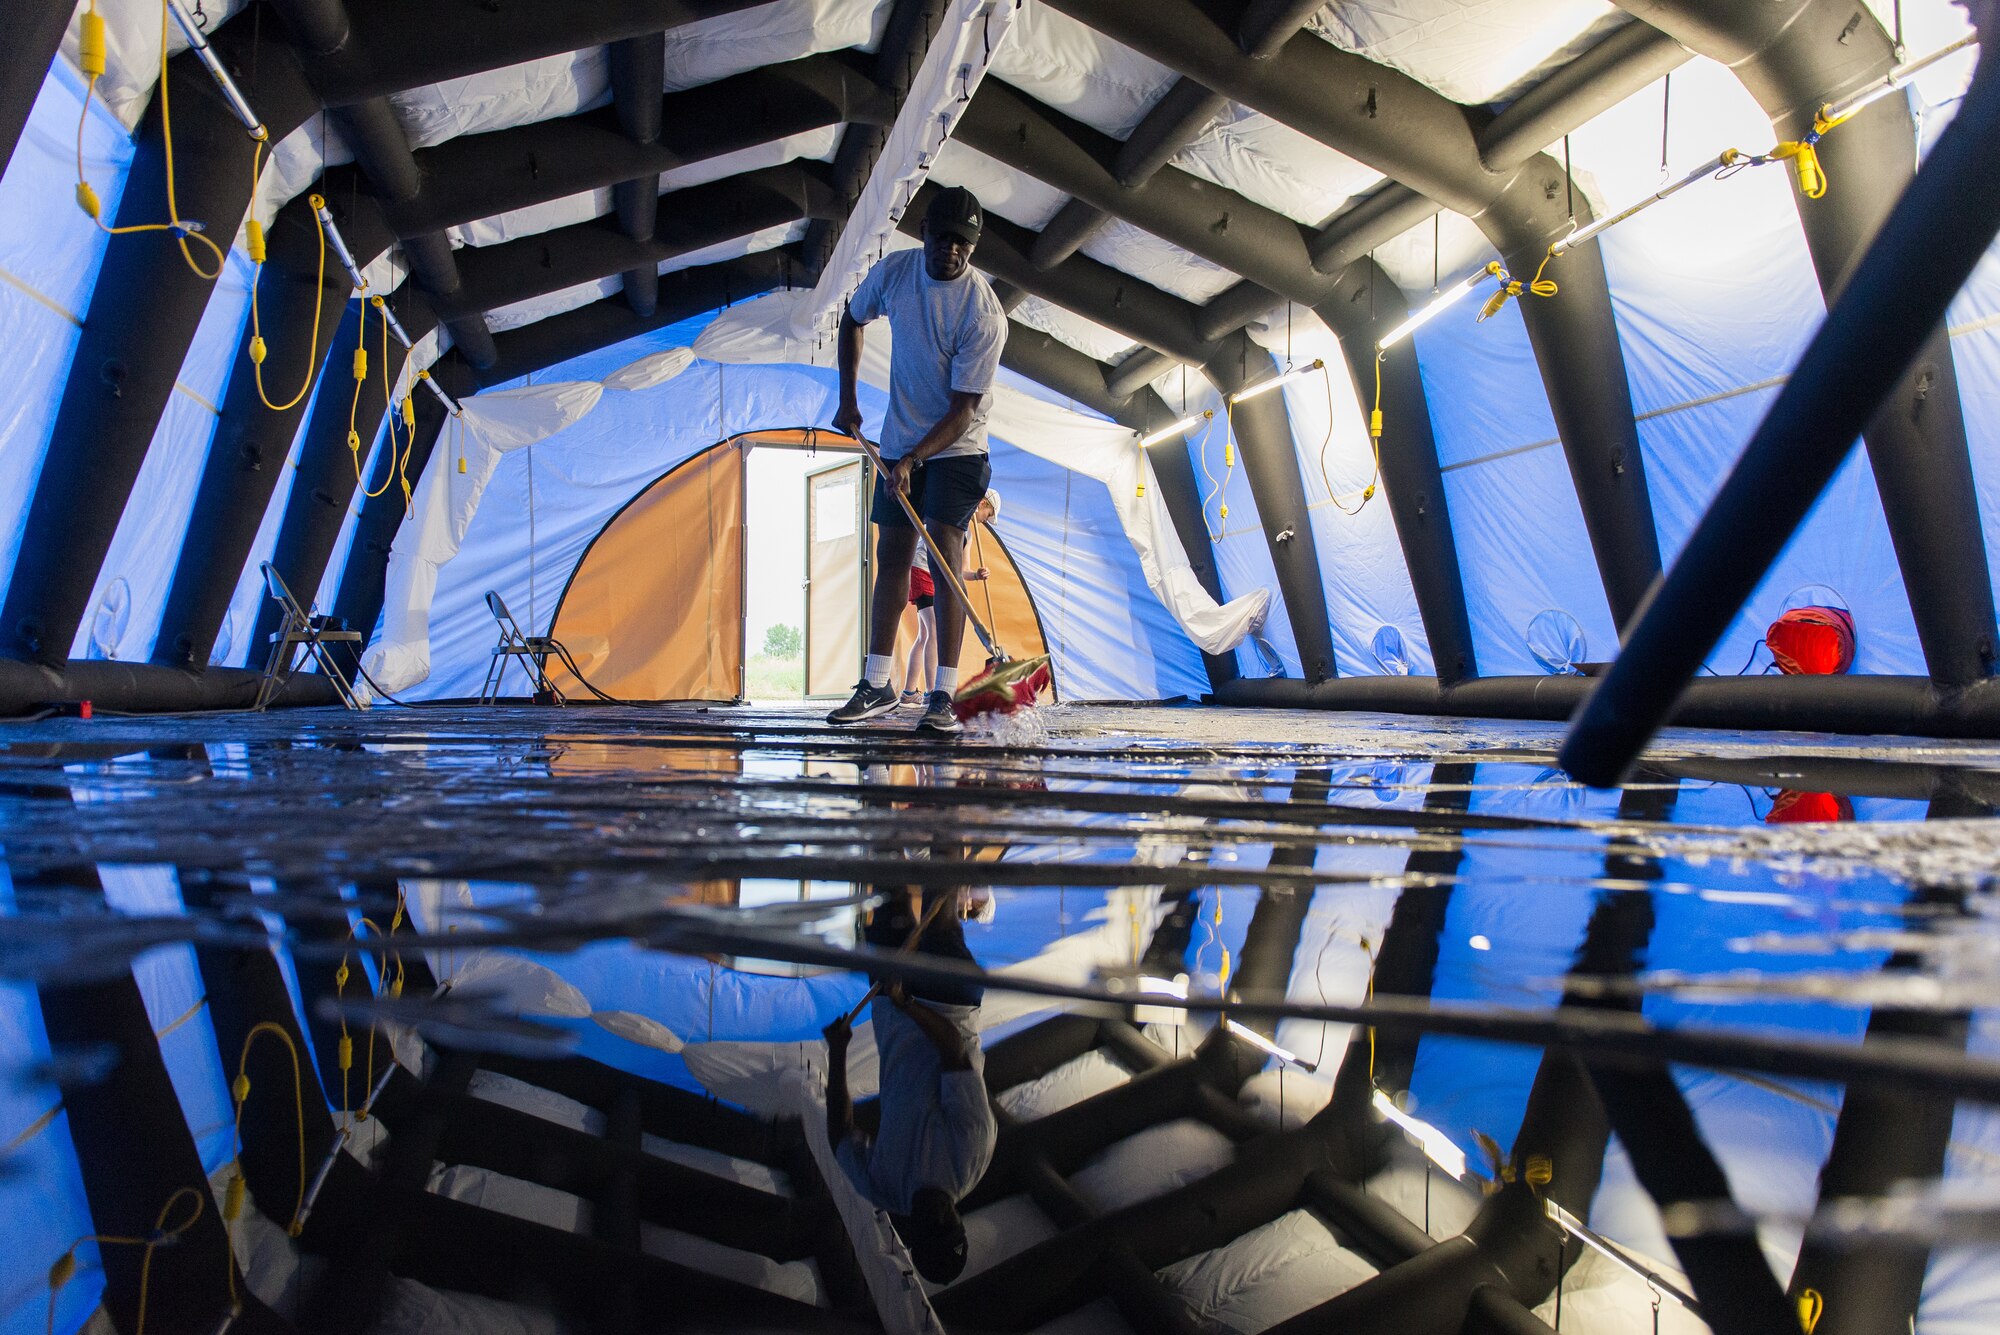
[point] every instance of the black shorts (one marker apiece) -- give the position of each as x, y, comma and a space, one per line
944, 491
923, 602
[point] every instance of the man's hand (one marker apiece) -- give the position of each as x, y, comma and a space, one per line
847, 420
838, 1035
899, 474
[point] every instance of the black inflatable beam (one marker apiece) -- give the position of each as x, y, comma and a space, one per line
905, 42
1263, 429
372, 50
638, 84
477, 176
35, 32
144, 310
1055, 364
1911, 706
324, 484
1877, 326
252, 441
359, 599
1170, 125
1417, 137
689, 220
1795, 57
1366, 305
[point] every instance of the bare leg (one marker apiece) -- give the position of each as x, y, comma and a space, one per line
948, 553
894, 548
922, 667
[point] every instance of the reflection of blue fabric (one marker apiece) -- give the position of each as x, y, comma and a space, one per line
937, 1128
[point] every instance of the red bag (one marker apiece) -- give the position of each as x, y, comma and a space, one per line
1818, 641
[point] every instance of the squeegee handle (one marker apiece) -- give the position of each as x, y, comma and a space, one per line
993, 650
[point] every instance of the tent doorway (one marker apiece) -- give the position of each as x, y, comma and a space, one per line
675, 597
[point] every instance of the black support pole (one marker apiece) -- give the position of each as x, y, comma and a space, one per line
1878, 325
35, 31
324, 485
1801, 55
638, 82
1263, 429
144, 310
297, 304
1365, 306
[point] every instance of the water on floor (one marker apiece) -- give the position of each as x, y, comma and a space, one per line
692, 897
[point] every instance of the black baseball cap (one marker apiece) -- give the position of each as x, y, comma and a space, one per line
955, 211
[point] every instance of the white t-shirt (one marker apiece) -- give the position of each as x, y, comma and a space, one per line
948, 336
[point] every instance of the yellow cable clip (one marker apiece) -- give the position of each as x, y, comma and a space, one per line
91, 46
257, 349
361, 363
1811, 1307
1812, 177
232, 1196
253, 240
86, 199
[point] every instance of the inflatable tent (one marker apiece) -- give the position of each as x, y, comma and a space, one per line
1490, 358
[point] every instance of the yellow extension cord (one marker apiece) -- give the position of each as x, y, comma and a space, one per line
65, 1267
91, 56
239, 1093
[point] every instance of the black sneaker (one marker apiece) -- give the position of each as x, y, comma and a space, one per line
867, 702
938, 718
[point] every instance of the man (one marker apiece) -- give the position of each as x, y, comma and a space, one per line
949, 329
937, 1130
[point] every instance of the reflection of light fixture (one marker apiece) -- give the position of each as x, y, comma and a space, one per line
1590, 231
1833, 113
1450, 297
198, 41
1481, 943
1265, 1045
1577, 1229
1181, 427
1175, 987
1435, 1144
1245, 395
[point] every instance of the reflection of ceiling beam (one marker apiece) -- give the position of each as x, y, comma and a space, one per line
1410, 133
35, 31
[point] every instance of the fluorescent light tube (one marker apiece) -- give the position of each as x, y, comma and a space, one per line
1181, 427
198, 42
1245, 395
1450, 297
1590, 231
1263, 1044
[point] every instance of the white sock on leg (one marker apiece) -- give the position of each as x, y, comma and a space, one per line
877, 669
947, 680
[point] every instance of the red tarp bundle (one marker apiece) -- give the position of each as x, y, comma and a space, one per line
1817, 641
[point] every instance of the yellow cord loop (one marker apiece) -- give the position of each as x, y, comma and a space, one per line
255, 243
64, 1269
1374, 444
92, 51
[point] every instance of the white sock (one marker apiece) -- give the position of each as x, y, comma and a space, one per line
947, 680
877, 669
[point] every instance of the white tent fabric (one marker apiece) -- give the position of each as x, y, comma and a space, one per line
487, 427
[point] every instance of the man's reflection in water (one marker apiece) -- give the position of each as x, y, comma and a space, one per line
937, 1130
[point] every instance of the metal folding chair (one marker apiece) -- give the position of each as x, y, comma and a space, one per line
533, 650
301, 628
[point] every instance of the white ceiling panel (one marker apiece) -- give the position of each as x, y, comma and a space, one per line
1472, 51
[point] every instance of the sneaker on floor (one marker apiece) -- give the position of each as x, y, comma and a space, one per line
912, 698
938, 718
867, 702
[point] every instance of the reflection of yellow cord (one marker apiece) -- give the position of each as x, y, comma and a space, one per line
393, 986
65, 1267
1214, 929
232, 1196
1374, 441
91, 56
